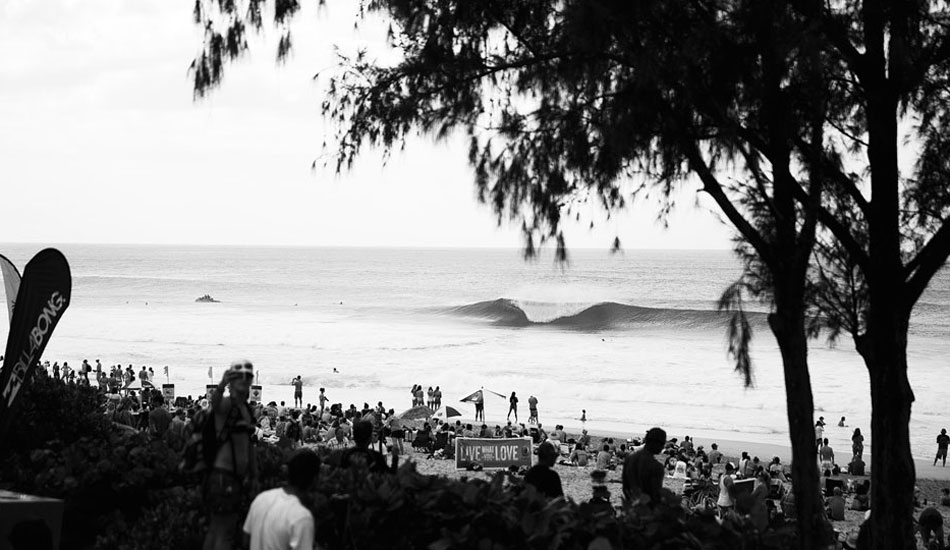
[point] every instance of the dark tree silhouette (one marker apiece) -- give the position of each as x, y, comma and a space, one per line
789, 114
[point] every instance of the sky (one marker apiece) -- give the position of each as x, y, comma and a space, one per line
101, 141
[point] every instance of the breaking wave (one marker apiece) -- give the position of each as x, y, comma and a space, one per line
601, 316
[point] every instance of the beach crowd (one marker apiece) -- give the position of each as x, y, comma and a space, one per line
743, 488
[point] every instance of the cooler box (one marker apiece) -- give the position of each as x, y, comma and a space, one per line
37, 520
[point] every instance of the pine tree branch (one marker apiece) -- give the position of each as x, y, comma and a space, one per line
925, 265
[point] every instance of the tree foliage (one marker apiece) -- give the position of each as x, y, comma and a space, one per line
818, 128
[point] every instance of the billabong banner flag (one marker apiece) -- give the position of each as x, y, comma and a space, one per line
11, 283
41, 300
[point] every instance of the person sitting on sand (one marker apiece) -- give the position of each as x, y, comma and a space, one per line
862, 500
856, 466
930, 524
361, 455
579, 457
835, 506
605, 458
945, 498
542, 476
642, 474
584, 438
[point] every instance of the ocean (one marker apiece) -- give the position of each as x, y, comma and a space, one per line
631, 338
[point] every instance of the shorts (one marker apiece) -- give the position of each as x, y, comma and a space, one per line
298, 393
941, 453
223, 492
399, 434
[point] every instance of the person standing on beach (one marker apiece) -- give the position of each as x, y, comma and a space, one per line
857, 445
429, 398
436, 398
298, 391
727, 488
532, 410
943, 440
235, 466
513, 407
642, 474
479, 400
323, 401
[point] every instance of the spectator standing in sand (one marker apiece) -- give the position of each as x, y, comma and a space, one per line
827, 455
857, 445
943, 440
279, 519
715, 457
819, 432
429, 398
542, 476
159, 419
513, 406
642, 474
298, 391
479, 400
323, 401
727, 489
436, 398
532, 410
235, 466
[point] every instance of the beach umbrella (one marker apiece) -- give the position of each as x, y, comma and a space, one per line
447, 412
472, 396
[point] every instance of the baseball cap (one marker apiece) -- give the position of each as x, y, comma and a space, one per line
243, 366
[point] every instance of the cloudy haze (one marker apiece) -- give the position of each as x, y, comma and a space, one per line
101, 142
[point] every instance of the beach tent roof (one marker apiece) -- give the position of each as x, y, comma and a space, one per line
419, 412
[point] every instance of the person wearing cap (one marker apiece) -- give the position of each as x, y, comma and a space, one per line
727, 489
943, 441
642, 474
234, 472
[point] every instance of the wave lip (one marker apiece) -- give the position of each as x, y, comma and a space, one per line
601, 316
503, 312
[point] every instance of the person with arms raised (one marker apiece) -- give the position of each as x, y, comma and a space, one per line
234, 471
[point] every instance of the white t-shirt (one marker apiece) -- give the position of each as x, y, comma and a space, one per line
278, 521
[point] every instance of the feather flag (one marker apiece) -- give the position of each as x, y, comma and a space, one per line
42, 298
11, 282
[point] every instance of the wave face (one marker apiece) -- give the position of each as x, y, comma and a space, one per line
601, 316
502, 312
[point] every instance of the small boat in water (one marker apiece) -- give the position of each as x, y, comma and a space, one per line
207, 298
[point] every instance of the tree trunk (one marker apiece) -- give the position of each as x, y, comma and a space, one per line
893, 473
789, 330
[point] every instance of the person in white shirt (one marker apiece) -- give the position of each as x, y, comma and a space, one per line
278, 520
